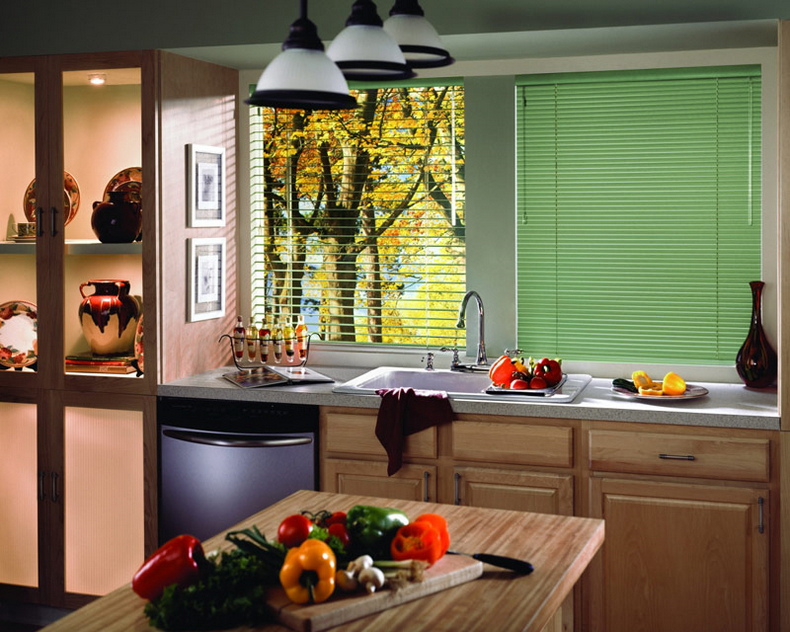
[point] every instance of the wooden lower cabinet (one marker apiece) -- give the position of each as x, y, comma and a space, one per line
678, 557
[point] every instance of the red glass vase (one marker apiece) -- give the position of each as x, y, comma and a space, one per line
756, 359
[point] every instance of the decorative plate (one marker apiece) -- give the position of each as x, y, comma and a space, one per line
129, 181
692, 392
138, 345
18, 334
71, 199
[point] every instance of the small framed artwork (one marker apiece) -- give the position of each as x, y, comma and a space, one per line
206, 278
206, 185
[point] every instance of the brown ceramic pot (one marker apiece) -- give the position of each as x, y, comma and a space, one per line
118, 221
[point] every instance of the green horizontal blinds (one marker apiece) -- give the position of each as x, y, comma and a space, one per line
639, 214
358, 217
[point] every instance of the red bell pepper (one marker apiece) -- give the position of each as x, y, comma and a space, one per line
178, 561
550, 370
417, 541
501, 371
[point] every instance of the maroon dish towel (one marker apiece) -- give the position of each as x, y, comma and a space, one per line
404, 411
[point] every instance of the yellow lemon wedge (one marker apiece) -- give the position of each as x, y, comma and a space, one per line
674, 384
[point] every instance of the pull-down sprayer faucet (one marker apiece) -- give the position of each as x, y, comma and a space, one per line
481, 362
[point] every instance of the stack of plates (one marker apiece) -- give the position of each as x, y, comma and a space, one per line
26, 239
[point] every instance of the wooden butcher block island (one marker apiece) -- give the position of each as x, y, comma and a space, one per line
559, 547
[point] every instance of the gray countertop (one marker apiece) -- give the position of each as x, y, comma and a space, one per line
726, 405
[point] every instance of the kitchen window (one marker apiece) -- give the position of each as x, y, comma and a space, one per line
638, 213
358, 216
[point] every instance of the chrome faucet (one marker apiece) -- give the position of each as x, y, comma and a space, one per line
481, 364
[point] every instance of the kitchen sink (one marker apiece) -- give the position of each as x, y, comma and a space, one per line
457, 385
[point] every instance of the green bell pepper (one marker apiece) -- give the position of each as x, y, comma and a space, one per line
371, 529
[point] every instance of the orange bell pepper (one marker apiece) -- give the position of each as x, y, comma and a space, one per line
417, 541
313, 558
674, 384
440, 524
502, 370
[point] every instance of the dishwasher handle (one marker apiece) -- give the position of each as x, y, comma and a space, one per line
237, 440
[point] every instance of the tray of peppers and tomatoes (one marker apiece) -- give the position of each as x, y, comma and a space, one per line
314, 556
517, 376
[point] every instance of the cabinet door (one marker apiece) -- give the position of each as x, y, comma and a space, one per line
520, 490
369, 478
22, 164
103, 483
21, 493
678, 557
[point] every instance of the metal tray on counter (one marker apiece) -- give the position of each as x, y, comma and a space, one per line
529, 392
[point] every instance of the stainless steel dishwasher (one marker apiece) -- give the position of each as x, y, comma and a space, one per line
221, 461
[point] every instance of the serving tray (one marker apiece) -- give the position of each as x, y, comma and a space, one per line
530, 392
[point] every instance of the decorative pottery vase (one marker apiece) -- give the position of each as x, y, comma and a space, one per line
139, 351
118, 221
109, 317
756, 359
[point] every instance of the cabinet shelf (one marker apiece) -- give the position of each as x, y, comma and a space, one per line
76, 247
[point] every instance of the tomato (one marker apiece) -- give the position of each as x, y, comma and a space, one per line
340, 532
339, 517
519, 384
294, 530
538, 382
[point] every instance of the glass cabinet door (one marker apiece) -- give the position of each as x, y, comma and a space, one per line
20, 490
18, 205
102, 160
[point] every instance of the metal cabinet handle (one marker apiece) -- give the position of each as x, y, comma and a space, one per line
425, 487
55, 495
237, 440
678, 457
761, 525
54, 213
41, 494
39, 225
457, 488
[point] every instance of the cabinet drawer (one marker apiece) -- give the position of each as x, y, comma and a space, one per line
522, 444
356, 434
680, 455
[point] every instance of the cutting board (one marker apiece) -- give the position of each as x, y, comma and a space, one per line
449, 571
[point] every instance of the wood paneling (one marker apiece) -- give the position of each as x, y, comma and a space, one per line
198, 105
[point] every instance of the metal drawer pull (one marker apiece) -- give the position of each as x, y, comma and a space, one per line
55, 487
54, 212
425, 486
41, 494
238, 441
678, 457
761, 526
457, 488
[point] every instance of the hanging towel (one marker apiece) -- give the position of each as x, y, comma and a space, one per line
404, 411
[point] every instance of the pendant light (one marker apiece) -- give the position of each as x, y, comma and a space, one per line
302, 76
416, 36
365, 51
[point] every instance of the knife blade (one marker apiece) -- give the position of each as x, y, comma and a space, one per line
511, 563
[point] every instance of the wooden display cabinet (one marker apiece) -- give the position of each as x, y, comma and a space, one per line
85, 468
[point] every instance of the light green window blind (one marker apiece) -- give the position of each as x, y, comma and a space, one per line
358, 216
639, 208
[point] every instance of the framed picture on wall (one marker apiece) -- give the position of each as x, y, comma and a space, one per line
205, 185
206, 278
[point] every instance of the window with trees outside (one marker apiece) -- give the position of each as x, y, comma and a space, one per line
358, 216
639, 213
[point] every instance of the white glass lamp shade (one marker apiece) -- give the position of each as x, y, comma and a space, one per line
418, 40
368, 53
302, 78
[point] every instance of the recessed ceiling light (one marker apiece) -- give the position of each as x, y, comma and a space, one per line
97, 79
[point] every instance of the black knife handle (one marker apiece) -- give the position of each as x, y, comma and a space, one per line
511, 563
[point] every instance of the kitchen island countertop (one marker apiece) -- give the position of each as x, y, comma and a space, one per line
726, 405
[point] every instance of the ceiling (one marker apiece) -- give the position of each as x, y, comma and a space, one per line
101, 25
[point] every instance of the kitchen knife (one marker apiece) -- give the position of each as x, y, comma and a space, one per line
511, 563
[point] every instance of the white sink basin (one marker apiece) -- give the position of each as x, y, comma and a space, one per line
456, 384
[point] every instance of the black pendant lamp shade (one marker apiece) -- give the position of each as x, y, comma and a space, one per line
365, 51
416, 36
302, 76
